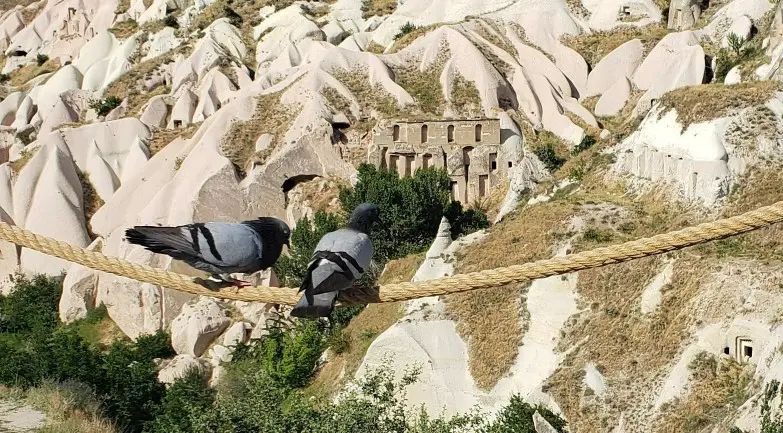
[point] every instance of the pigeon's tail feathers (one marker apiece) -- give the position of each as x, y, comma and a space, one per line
161, 240
316, 306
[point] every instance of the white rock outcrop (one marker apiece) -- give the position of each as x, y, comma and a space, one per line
614, 99
676, 61
178, 367
79, 289
620, 63
238, 333
197, 326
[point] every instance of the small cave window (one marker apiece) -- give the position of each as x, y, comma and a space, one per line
478, 133
450, 133
424, 133
177, 123
726, 350
510, 164
396, 133
748, 351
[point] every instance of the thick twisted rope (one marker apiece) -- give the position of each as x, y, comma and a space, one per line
720, 229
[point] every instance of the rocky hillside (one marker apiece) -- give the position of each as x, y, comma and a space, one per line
619, 118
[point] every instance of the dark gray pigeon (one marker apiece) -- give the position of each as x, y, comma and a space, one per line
219, 248
340, 259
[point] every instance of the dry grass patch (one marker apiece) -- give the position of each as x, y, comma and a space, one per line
491, 320
629, 350
22, 75
375, 48
497, 37
24, 157
6, 5
337, 100
322, 194
378, 7
595, 46
122, 6
370, 98
125, 29
270, 116
759, 187
465, 96
404, 40
70, 408
162, 137
718, 388
129, 85
710, 101
424, 87
91, 201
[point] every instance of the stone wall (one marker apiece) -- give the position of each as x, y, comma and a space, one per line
468, 149
683, 14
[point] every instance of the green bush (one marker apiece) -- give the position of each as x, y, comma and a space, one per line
287, 356
4, 78
587, 142
31, 305
738, 52
251, 401
404, 30
171, 21
547, 155
104, 106
411, 209
127, 381
183, 403
41, 59
517, 417
291, 268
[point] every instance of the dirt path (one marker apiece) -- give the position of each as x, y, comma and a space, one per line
18, 418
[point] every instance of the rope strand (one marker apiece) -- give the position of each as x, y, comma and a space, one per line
645, 247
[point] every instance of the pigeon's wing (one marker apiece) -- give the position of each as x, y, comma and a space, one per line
344, 252
230, 244
315, 306
353, 246
211, 247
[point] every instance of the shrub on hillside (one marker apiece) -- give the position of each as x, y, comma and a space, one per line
31, 305
104, 106
184, 402
41, 59
548, 156
291, 267
517, 417
404, 30
411, 208
288, 356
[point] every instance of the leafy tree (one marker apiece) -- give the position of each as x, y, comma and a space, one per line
291, 268
32, 304
517, 417
127, 382
411, 208
183, 403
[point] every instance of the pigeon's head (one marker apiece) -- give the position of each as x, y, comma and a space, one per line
364, 216
274, 230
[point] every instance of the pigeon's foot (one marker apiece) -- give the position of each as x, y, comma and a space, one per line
241, 283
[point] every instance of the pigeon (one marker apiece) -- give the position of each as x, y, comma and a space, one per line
340, 259
220, 248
